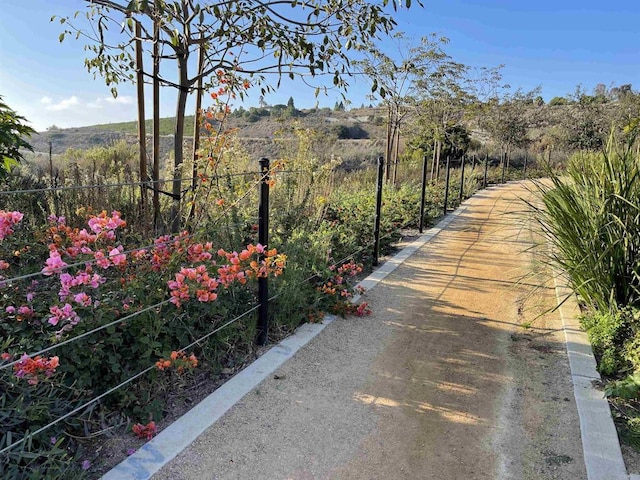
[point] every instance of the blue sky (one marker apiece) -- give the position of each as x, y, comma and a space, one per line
555, 44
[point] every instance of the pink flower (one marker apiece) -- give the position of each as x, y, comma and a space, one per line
82, 299
3, 265
117, 257
25, 311
54, 263
66, 313
59, 220
101, 260
7, 221
10, 309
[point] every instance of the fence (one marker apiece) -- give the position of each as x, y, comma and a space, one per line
135, 290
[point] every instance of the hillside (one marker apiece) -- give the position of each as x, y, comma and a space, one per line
257, 135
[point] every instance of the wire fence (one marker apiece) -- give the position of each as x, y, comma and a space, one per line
235, 210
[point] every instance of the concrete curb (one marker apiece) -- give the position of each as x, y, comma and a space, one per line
159, 451
176, 437
601, 447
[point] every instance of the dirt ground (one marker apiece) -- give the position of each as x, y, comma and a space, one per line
458, 374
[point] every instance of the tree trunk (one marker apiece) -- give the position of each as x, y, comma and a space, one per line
438, 152
196, 135
433, 162
178, 138
396, 154
388, 144
156, 129
142, 131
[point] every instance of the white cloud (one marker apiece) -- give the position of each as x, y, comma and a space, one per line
64, 104
121, 100
101, 102
46, 100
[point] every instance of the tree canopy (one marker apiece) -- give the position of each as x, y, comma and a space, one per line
13, 131
238, 44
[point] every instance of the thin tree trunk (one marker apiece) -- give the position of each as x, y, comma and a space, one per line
196, 133
388, 144
396, 155
438, 152
142, 130
156, 128
178, 138
433, 162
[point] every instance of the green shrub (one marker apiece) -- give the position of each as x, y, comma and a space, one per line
592, 219
608, 333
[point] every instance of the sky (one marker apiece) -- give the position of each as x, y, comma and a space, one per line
556, 45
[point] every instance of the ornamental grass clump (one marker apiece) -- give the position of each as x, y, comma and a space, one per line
591, 217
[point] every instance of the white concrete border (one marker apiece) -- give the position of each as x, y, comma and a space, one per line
160, 450
601, 447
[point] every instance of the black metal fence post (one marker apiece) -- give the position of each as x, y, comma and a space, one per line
263, 239
424, 192
376, 228
486, 167
524, 170
461, 180
446, 186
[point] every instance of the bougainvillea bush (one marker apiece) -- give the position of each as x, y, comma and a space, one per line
84, 312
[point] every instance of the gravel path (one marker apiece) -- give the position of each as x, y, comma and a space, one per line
441, 382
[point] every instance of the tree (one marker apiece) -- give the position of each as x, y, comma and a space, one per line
396, 78
507, 118
12, 138
585, 125
555, 101
447, 99
240, 40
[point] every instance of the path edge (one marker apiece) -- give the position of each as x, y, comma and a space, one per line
600, 443
168, 444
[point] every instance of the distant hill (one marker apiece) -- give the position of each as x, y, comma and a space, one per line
255, 129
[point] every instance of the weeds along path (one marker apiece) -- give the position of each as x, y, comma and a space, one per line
441, 382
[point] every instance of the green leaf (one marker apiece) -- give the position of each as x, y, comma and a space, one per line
61, 37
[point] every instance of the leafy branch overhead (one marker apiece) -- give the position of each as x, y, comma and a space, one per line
12, 138
258, 38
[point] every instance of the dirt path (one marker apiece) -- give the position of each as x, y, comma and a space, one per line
441, 382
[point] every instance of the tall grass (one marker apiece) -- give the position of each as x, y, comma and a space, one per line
592, 218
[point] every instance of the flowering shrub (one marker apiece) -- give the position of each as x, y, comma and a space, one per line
338, 291
71, 280
146, 432
33, 369
179, 361
7, 221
